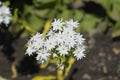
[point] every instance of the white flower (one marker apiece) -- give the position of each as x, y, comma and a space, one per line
7, 20
36, 40
68, 31
69, 37
79, 52
79, 39
36, 37
50, 43
71, 23
57, 24
70, 42
5, 14
50, 33
38, 45
60, 38
30, 50
42, 56
34, 44
63, 50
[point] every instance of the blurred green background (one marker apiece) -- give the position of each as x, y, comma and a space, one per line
91, 14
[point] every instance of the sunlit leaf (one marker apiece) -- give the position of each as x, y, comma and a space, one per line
46, 28
60, 75
15, 16
14, 71
7, 3
2, 78
28, 27
48, 77
70, 63
42, 66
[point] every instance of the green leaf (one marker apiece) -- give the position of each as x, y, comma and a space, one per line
112, 7
67, 1
35, 22
66, 14
7, 3
106, 4
42, 1
88, 23
63, 58
115, 12
56, 60
116, 30
24, 34
78, 15
42, 4
41, 13
27, 10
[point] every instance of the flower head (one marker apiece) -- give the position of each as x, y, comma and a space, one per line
61, 41
71, 23
50, 43
5, 14
63, 50
57, 24
42, 56
35, 44
79, 52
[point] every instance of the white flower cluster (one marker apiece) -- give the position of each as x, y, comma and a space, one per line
5, 14
61, 40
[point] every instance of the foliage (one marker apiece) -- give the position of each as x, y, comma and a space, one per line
35, 13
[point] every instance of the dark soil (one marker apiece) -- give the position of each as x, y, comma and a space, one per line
101, 61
